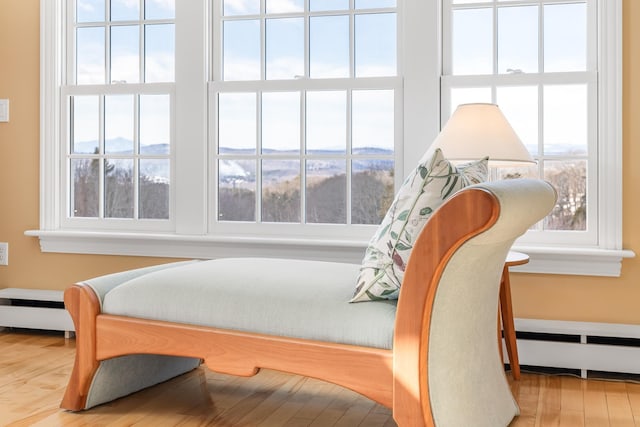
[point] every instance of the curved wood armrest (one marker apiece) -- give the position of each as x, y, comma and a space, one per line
465, 215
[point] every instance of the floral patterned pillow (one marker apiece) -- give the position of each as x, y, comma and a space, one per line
421, 193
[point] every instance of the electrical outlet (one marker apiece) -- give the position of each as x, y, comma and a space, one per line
4, 253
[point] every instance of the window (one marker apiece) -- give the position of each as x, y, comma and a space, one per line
219, 128
118, 97
554, 68
305, 98
536, 60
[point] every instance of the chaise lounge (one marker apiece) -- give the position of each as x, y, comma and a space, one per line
431, 356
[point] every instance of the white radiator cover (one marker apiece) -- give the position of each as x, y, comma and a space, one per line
581, 355
45, 318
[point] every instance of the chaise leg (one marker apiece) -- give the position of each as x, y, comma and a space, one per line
83, 306
411, 405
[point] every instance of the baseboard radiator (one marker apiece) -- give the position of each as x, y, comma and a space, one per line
587, 349
34, 309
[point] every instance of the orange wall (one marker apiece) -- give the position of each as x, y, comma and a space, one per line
19, 164
535, 296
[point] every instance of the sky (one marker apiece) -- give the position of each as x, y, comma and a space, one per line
564, 49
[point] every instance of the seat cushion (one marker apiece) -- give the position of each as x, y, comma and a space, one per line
291, 298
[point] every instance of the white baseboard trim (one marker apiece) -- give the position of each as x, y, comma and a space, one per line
580, 346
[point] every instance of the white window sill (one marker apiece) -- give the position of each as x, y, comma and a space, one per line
549, 260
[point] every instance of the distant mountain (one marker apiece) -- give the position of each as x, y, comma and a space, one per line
273, 169
235, 170
561, 149
374, 151
119, 146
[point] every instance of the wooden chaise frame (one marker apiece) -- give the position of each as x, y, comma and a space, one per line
396, 378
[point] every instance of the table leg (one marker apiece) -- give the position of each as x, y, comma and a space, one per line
506, 311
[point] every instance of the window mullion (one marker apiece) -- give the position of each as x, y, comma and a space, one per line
190, 153
136, 157
141, 49
101, 158
303, 152
349, 159
263, 41
258, 157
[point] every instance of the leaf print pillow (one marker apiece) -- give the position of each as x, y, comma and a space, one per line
422, 192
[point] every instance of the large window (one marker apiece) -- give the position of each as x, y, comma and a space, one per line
117, 99
208, 128
537, 61
305, 97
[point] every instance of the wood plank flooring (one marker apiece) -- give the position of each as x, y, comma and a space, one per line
34, 368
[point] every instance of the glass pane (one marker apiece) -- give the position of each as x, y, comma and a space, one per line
85, 120
326, 122
372, 122
372, 190
565, 120
320, 5
472, 41
240, 7
154, 189
285, 48
281, 190
284, 6
159, 9
125, 54
518, 39
519, 104
524, 171
241, 50
326, 193
159, 53
471, 1
237, 123
329, 46
369, 4
237, 190
469, 95
375, 45
85, 181
90, 10
118, 124
118, 188
280, 122
565, 37
90, 62
569, 177
125, 10
155, 124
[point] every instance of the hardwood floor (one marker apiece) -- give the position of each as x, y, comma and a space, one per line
34, 369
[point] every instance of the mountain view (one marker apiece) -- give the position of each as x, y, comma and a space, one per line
235, 169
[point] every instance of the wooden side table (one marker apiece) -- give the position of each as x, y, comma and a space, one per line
506, 312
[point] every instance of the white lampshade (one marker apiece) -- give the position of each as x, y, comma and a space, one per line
475, 131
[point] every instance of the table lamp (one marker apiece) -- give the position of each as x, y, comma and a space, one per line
478, 130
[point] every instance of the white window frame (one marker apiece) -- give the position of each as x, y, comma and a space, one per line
69, 89
218, 86
420, 50
602, 257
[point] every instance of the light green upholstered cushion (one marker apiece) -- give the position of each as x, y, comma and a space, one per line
422, 192
292, 298
103, 284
